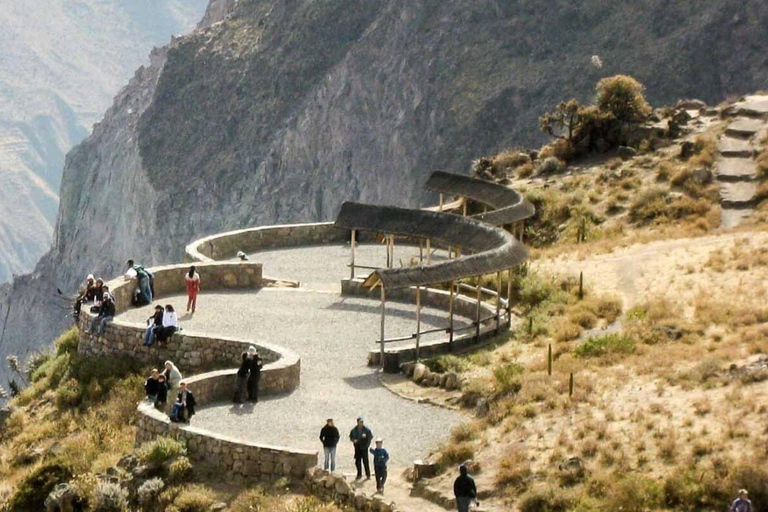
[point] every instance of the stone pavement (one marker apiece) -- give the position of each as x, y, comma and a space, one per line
332, 335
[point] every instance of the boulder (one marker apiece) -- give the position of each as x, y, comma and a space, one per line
361, 502
420, 371
686, 149
451, 381
690, 105
60, 499
625, 152
681, 117
407, 369
703, 176
443, 379
342, 487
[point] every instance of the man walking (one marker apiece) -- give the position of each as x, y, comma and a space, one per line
329, 435
742, 503
361, 437
464, 489
380, 459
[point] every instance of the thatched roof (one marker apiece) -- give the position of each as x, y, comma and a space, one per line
509, 206
487, 248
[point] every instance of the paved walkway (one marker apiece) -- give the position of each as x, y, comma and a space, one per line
332, 335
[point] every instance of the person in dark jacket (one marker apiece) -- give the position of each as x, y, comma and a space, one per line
361, 436
243, 372
184, 408
152, 385
464, 489
162, 392
154, 323
106, 314
255, 374
380, 459
329, 435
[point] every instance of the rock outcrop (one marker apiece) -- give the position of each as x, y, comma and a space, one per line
277, 111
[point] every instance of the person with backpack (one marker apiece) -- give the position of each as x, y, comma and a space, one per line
192, 280
329, 436
154, 323
380, 459
106, 315
464, 489
145, 280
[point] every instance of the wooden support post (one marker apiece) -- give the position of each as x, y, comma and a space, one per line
440, 209
418, 321
549, 360
421, 250
386, 239
383, 316
509, 296
392, 250
352, 266
477, 311
581, 285
498, 301
464, 207
450, 317
429, 250
570, 386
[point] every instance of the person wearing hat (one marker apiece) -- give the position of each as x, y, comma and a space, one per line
254, 376
329, 435
742, 503
464, 489
361, 437
106, 314
380, 459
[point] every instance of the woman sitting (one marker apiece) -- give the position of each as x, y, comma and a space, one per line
154, 323
170, 324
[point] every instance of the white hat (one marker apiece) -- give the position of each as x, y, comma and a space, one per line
89, 278
252, 350
379, 440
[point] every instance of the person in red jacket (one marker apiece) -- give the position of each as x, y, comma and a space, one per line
192, 280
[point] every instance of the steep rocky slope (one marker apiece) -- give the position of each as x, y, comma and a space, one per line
61, 63
289, 107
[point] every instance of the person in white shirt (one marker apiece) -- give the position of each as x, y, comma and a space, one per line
170, 324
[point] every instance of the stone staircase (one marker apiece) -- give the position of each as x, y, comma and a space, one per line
736, 169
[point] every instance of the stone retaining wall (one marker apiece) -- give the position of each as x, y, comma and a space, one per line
463, 306
226, 245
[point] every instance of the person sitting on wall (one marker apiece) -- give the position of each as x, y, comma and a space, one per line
145, 280
172, 376
170, 324
106, 315
152, 386
97, 293
154, 323
88, 289
184, 408
162, 392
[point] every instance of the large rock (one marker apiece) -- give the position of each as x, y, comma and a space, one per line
342, 487
60, 499
420, 371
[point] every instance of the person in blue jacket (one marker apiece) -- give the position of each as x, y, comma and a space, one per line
380, 459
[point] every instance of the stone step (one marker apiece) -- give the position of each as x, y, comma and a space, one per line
732, 217
736, 169
744, 127
752, 106
739, 194
730, 146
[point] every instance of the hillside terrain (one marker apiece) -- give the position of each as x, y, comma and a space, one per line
61, 63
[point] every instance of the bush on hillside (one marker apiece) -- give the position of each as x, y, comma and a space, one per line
622, 96
32, 490
599, 346
110, 497
161, 450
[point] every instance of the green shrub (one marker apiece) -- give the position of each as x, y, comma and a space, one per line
448, 363
599, 346
456, 453
534, 290
110, 497
635, 494
546, 499
649, 205
179, 470
37, 359
622, 96
37, 485
508, 378
160, 450
67, 342
191, 498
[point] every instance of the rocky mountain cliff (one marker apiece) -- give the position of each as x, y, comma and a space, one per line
61, 63
286, 108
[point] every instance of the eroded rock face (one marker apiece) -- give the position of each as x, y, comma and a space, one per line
279, 110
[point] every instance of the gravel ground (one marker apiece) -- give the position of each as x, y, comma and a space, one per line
333, 335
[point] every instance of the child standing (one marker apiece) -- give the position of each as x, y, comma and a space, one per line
192, 279
380, 459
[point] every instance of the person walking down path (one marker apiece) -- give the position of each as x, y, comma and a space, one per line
170, 324
329, 435
192, 280
172, 377
184, 408
255, 375
361, 437
154, 323
380, 459
464, 489
742, 503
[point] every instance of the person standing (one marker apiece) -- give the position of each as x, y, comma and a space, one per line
361, 437
464, 489
329, 435
254, 376
380, 459
742, 503
192, 280
247, 365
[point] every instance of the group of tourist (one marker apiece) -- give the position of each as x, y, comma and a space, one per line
160, 384
248, 376
103, 304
